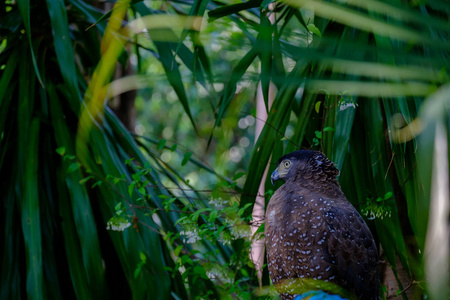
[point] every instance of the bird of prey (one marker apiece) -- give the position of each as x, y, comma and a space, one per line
315, 238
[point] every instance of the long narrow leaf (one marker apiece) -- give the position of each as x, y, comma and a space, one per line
63, 44
31, 223
24, 7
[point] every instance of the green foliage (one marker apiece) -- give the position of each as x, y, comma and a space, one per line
59, 203
312, 28
366, 82
376, 208
141, 264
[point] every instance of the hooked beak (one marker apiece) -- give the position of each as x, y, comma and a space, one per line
275, 176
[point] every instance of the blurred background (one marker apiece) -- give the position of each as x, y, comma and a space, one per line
135, 136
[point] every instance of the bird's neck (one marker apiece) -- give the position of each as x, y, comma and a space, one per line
325, 184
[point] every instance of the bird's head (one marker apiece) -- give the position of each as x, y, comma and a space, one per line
303, 162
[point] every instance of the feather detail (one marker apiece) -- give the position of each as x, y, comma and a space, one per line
312, 232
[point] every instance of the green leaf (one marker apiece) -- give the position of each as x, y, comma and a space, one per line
213, 216
161, 144
142, 190
264, 42
260, 229
6, 86
219, 230
244, 272
73, 205
69, 157
198, 212
24, 8
109, 13
84, 180
230, 88
232, 9
136, 177
317, 106
180, 220
131, 189
312, 28
177, 250
187, 156
98, 183
200, 271
186, 260
265, 3
137, 271
343, 123
73, 167
238, 175
265, 145
63, 45
142, 257
61, 151
242, 209
31, 222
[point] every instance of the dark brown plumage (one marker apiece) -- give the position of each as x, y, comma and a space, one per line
312, 231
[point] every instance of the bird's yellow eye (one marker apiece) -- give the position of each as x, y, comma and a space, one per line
287, 164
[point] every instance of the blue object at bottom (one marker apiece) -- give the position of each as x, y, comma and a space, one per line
317, 295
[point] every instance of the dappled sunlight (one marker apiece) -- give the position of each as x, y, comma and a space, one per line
99, 89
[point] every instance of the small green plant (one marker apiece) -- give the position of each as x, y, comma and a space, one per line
346, 101
140, 264
377, 208
118, 222
318, 135
203, 228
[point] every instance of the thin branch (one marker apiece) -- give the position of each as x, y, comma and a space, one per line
410, 284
